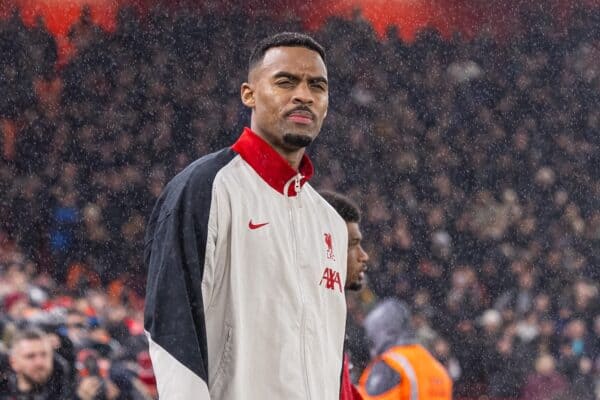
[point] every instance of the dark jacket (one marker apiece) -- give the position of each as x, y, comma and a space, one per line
544, 387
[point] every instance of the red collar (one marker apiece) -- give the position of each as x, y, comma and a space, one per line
267, 163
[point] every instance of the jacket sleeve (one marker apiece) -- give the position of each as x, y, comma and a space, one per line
174, 317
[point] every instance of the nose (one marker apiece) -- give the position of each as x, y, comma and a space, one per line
364, 256
302, 94
39, 362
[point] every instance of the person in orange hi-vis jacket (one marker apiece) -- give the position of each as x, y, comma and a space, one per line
401, 369
356, 269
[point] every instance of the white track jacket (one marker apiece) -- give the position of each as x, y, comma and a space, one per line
246, 270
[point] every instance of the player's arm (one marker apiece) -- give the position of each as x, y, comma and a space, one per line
174, 316
175, 254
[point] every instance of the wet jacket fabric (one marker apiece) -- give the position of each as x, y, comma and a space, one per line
419, 376
246, 264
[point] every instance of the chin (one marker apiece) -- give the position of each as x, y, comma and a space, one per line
354, 286
297, 140
41, 380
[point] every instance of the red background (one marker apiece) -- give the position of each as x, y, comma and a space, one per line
467, 16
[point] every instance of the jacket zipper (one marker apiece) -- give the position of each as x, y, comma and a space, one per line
291, 202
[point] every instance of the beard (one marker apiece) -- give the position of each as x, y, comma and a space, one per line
37, 380
296, 141
354, 286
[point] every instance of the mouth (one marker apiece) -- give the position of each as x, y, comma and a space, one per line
303, 117
39, 376
363, 273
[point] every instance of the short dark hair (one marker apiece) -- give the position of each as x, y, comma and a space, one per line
347, 209
27, 334
289, 39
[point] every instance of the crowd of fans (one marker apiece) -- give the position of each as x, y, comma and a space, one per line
476, 163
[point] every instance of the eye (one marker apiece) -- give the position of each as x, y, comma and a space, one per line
284, 83
319, 86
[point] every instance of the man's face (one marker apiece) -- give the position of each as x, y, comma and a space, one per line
288, 95
357, 258
76, 327
31, 359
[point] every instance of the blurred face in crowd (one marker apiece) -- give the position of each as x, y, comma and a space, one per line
576, 329
31, 360
76, 327
357, 258
545, 364
547, 328
542, 303
441, 348
504, 345
288, 94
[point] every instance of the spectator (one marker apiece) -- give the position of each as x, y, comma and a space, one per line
400, 368
36, 371
505, 369
441, 351
545, 383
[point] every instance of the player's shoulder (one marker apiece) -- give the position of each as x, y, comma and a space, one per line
204, 169
196, 179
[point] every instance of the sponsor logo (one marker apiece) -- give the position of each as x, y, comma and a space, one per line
331, 278
256, 226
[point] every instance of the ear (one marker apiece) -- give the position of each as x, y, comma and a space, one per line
247, 95
13, 363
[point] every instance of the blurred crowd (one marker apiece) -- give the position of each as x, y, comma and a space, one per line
476, 164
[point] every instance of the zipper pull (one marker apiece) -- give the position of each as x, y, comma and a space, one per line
297, 186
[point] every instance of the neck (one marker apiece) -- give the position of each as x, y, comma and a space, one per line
23, 384
293, 158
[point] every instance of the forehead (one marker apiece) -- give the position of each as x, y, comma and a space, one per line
31, 345
354, 230
295, 60
75, 317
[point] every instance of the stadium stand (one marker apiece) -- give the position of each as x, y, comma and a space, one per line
476, 163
